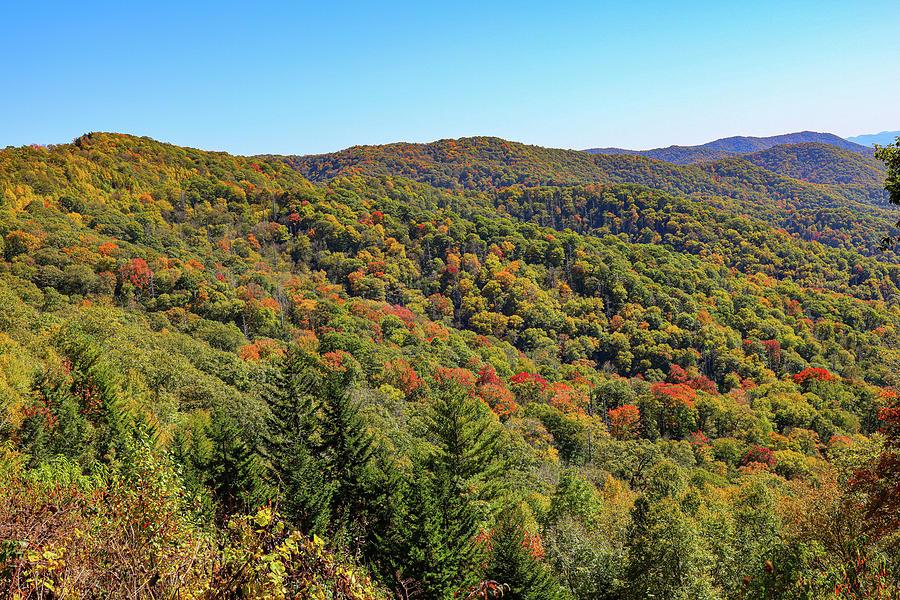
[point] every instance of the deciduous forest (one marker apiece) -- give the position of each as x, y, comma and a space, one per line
466, 369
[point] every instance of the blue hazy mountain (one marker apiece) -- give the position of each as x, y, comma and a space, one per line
736, 146
869, 139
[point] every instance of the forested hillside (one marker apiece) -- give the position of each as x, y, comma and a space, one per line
454, 370
822, 163
852, 216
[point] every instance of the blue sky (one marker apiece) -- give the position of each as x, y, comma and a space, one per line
298, 77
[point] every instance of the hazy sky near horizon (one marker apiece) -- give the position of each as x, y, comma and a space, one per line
302, 77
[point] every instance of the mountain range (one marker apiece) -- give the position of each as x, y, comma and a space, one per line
805, 188
734, 146
882, 139
445, 370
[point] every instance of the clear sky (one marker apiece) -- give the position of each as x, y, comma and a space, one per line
302, 77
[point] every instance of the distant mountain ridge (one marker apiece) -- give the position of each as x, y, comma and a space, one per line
882, 139
735, 146
809, 190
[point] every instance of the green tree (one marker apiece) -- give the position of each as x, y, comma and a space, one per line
233, 472
466, 442
666, 555
345, 450
77, 409
890, 155
512, 561
437, 537
444, 502
296, 471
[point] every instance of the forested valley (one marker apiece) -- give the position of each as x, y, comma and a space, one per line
467, 369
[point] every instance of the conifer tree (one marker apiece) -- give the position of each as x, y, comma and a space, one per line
191, 450
439, 553
388, 541
466, 440
296, 471
443, 511
114, 427
232, 472
78, 411
40, 430
345, 450
512, 563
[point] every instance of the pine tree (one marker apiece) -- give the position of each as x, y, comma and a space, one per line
294, 468
435, 555
35, 435
191, 450
512, 563
346, 452
114, 427
78, 411
467, 441
443, 509
290, 395
406, 539
233, 472
430, 549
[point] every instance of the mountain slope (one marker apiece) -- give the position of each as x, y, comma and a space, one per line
679, 155
835, 214
229, 252
191, 341
820, 163
842, 172
731, 146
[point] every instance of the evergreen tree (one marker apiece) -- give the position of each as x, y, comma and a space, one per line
511, 562
191, 450
296, 471
78, 411
345, 452
386, 529
466, 440
52, 414
442, 504
437, 536
99, 395
233, 472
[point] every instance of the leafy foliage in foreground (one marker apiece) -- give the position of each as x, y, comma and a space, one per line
135, 531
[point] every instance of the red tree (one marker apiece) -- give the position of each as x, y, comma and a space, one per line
500, 399
625, 421
880, 482
136, 271
813, 375
528, 387
761, 455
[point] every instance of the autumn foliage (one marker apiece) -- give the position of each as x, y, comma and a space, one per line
136, 272
625, 421
813, 374
249, 375
880, 481
760, 455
